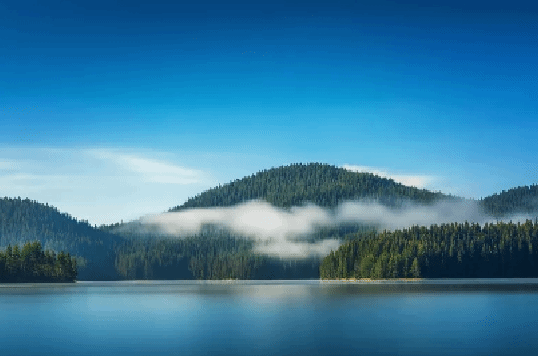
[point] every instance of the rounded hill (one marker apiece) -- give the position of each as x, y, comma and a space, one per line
317, 183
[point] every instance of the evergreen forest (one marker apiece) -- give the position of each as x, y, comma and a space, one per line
25, 220
32, 264
457, 250
124, 251
321, 184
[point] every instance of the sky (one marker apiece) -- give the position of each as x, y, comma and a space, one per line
111, 110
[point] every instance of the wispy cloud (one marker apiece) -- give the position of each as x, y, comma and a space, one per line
99, 185
415, 180
151, 170
7, 165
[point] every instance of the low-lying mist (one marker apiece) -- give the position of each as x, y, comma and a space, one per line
284, 232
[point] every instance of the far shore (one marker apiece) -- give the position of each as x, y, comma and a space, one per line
370, 280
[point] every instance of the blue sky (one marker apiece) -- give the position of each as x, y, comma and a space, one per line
111, 110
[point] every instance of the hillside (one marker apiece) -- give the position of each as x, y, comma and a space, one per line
120, 251
321, 184
326, 185
519, 200
213, 255
286, 186
24, 220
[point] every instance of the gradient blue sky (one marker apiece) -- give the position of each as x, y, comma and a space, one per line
110, 110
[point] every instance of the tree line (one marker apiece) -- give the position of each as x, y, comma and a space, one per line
115, 252
457, 250
25, 220
518, 200
206, 256
31, 264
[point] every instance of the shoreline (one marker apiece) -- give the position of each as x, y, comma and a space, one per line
371, 280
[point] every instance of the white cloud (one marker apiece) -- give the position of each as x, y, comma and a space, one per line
284, 233
419, 181
277, 232
257, 218
289, 249
151, 170
414, 180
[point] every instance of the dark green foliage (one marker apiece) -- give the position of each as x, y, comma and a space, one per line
204, 257
200, 257
320, 184
446, 251
520, 200
211, 256
115, 252
32, 264
23, 220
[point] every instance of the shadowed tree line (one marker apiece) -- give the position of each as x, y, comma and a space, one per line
31, 264
25, 220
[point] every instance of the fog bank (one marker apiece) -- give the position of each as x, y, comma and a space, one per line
283, 232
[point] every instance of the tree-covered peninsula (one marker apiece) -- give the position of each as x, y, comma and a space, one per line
31, 264
457, 250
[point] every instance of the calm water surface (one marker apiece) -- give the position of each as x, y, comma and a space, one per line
455, 317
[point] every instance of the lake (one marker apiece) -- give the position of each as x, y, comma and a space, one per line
442, 317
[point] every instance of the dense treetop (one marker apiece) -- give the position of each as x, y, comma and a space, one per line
25, 220
32, 264
457, 250
519, 200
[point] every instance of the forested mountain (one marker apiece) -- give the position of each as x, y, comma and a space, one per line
320, 184
326, 185
24, 220
294, 185
212, 255
121, 251
445, 251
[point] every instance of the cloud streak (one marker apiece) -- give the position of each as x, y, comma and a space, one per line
100, 185
152, 170
7, 165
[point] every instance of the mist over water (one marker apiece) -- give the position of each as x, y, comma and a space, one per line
287, 232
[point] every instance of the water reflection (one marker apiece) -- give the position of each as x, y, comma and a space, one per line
444, 317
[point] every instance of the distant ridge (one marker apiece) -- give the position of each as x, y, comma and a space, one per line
518, 200
113, 252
